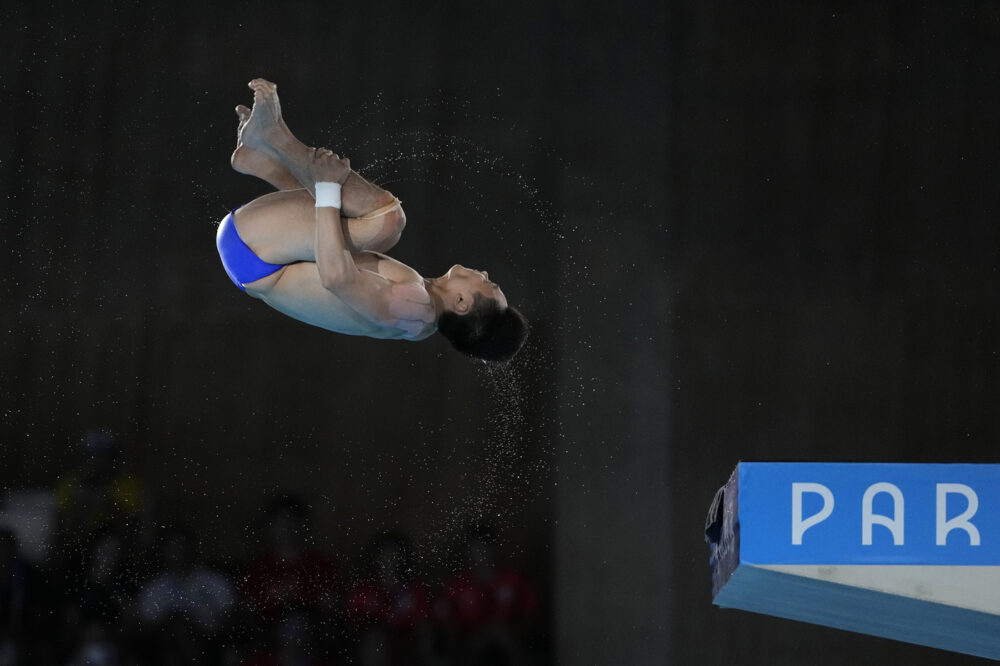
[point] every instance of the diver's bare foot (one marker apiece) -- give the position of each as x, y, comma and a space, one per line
264, 125
245, 159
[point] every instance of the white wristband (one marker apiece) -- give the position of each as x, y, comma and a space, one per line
327, 195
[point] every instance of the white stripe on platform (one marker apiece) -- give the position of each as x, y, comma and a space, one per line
975, 588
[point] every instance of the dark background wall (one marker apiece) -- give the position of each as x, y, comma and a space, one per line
741, 232
834, 248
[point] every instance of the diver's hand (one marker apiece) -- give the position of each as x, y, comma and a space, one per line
328, 166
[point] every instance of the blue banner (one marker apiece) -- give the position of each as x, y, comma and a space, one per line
869, 513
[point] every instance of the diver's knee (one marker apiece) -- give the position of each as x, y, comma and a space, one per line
392, 228
391, 223
396, 222
389, 243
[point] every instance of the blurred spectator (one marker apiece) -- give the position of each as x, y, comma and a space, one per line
289, 573
97, 493
391, 600
486, 610
23, 599
184, 587
109, 583
31, 514
292, 643
95, 647
98, 597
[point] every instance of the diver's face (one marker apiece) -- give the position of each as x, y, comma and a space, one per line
474, 283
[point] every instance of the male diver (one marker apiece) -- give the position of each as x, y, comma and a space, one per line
313, 250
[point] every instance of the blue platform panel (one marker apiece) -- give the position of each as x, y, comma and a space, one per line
903, 551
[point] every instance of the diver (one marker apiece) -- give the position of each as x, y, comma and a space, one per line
314, 250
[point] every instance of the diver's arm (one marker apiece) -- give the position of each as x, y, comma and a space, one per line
333, 257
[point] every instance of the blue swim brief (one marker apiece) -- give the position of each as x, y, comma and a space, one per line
240, 262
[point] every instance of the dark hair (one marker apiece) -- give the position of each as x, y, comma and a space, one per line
486, 331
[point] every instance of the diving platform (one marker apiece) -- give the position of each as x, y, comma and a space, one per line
904, 551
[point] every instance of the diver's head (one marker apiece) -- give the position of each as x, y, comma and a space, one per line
477, 319
460, 285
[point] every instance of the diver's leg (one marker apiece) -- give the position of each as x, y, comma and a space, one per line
265, 131
280, 228
256, 163
359, 192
